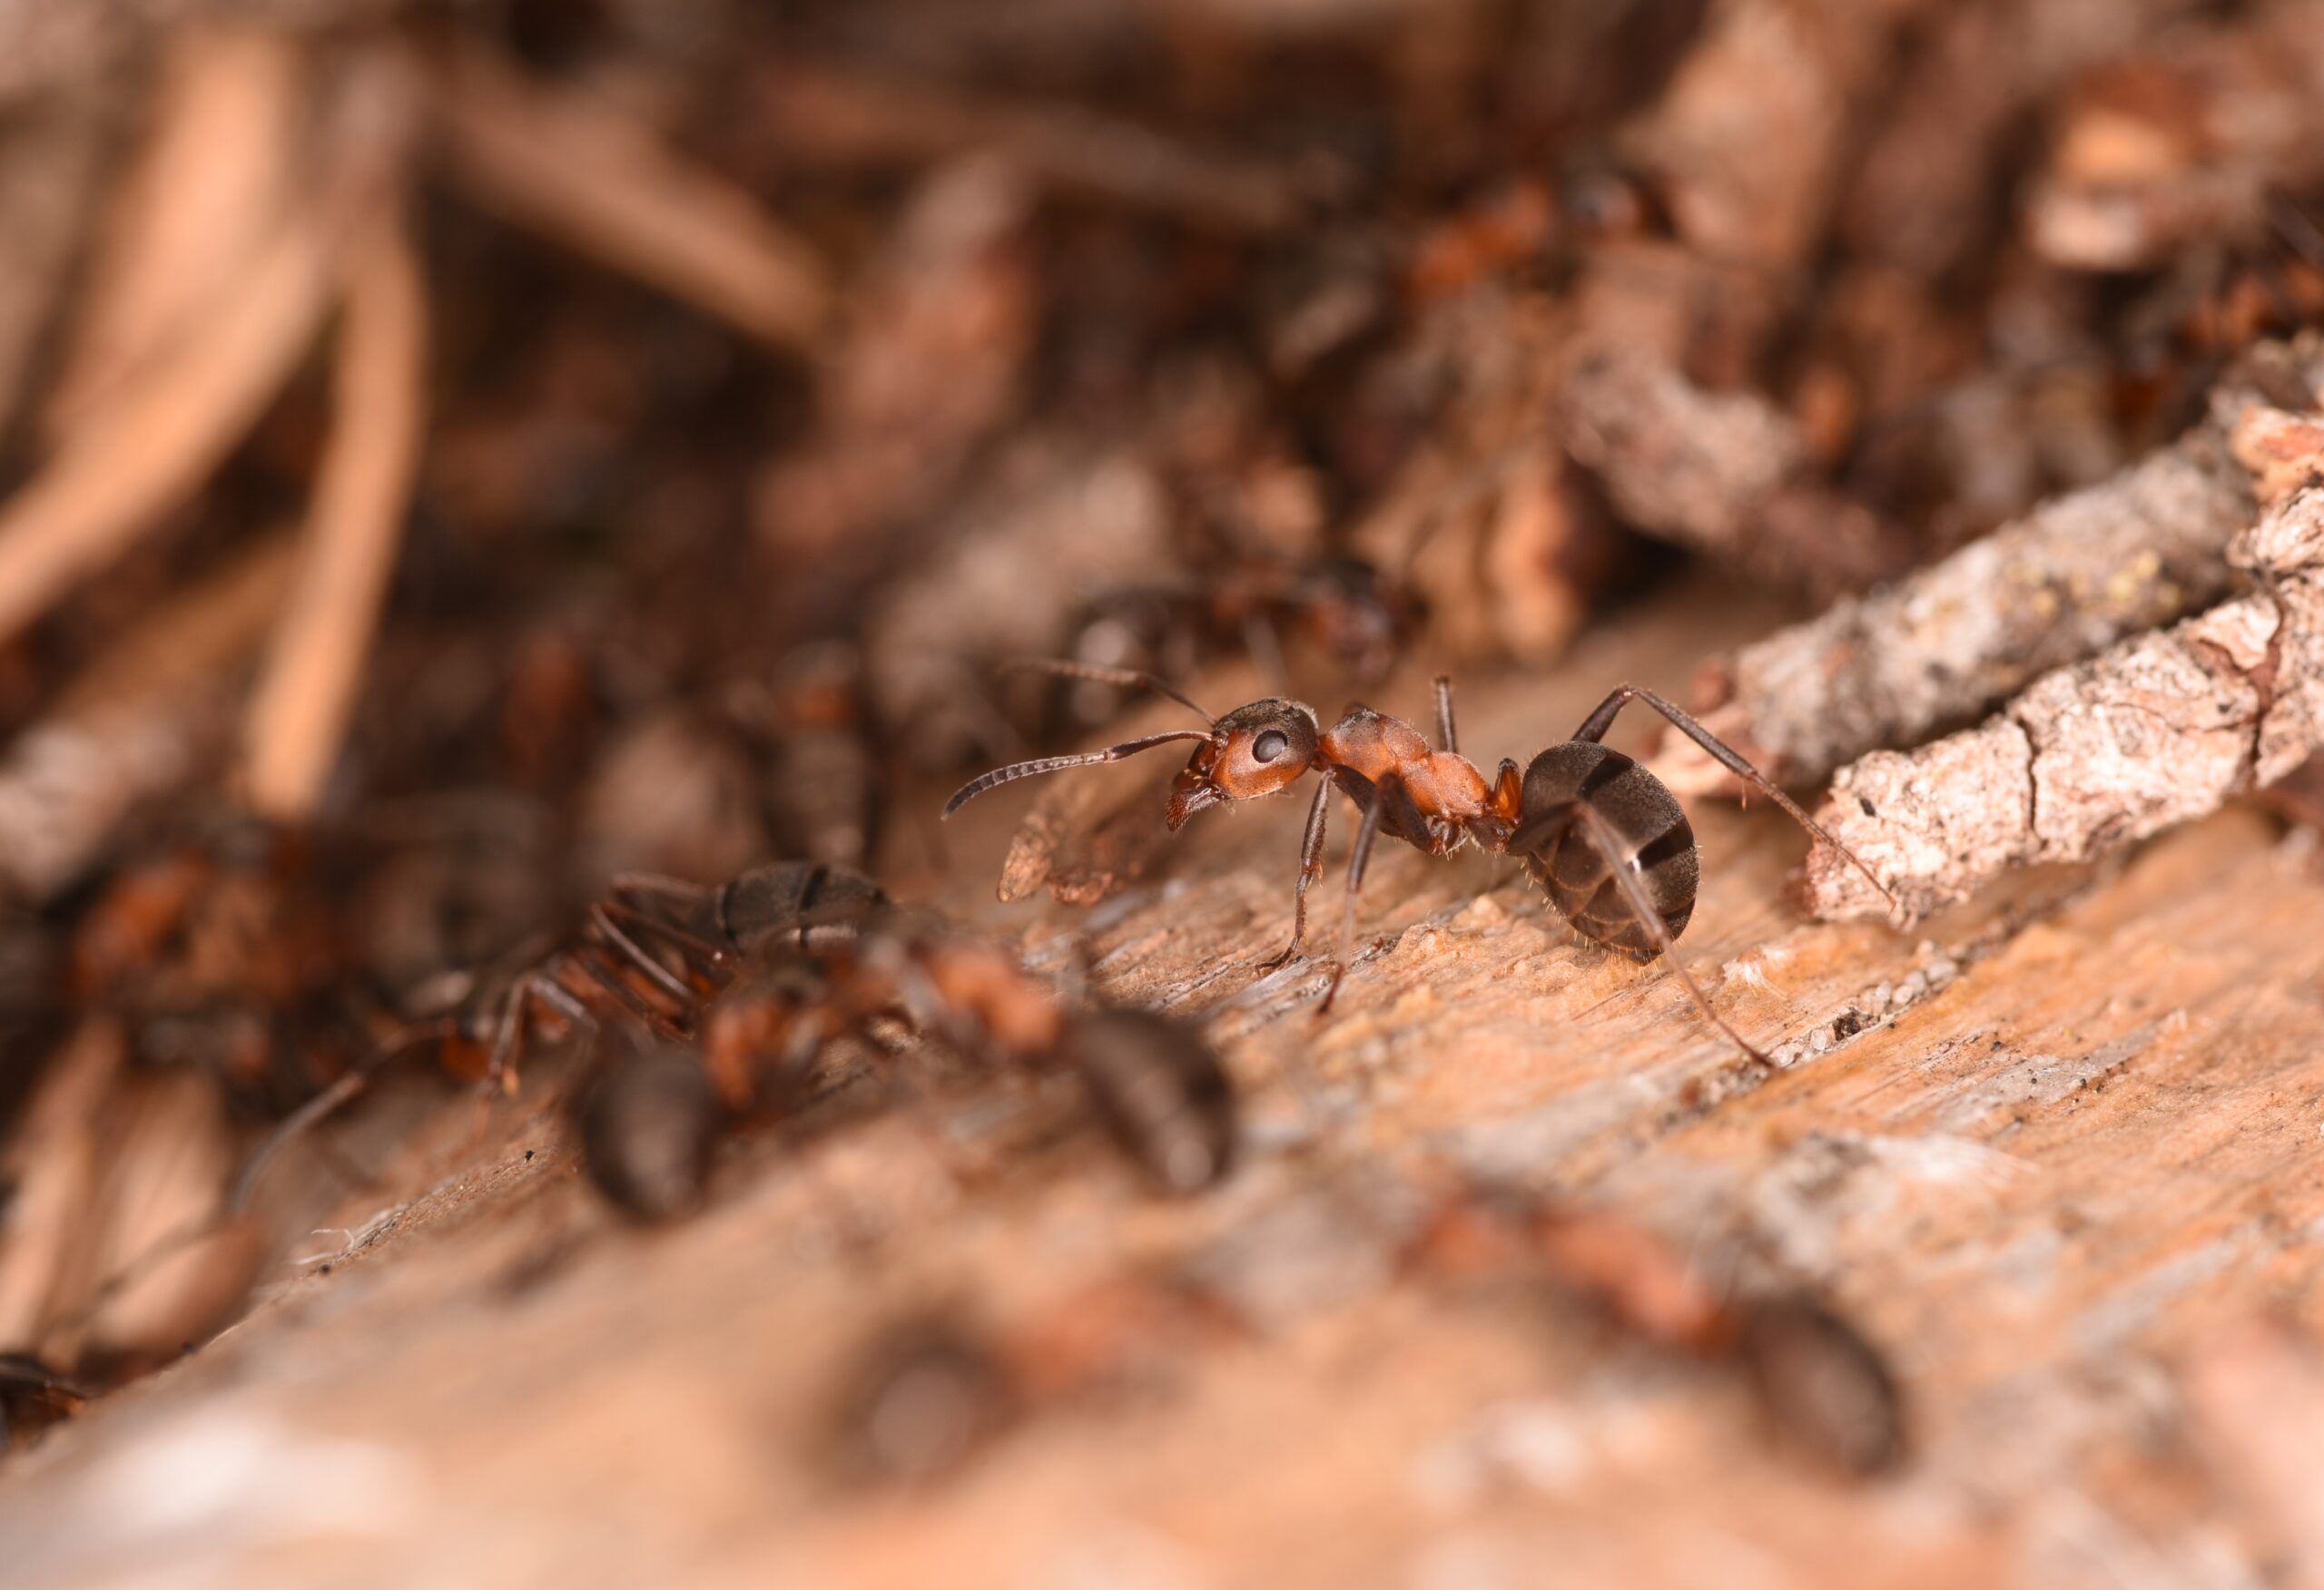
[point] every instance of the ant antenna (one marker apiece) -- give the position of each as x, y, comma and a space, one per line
1050, 764
1099, 673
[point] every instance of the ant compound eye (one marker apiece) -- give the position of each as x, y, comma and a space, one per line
1269, 745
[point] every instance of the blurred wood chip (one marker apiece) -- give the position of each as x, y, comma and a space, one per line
586, 173
142, 721
2257, 1392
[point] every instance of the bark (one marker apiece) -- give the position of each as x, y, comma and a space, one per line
2069, 580
2165, 728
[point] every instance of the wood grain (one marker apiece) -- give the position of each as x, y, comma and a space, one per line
2045, 1149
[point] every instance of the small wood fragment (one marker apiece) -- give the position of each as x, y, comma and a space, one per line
143, 722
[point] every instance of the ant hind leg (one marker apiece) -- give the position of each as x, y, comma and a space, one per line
1622, 867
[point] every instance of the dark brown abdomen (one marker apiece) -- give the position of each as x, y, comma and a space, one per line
1648, 822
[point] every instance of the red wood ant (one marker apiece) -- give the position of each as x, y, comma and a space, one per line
1822, 1387
1605, 838
929, 1393
1156, 1086
33, 1397
653, 950
1340, 608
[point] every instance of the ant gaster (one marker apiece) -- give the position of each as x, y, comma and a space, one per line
1605, 838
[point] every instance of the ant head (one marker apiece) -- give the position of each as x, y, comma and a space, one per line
1252, 750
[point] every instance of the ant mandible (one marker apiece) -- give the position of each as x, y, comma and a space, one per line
1605, 838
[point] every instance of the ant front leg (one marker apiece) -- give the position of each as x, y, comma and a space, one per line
1622, 865
1358, 857
1593, 728
1311, 868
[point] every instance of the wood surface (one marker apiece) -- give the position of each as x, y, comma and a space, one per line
2057, 1150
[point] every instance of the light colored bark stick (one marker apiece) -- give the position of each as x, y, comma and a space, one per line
2063, 583
2164, 728
300, 712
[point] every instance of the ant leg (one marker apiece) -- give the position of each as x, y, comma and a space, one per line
1623, 868
1593, 728
605, 918
1311, 868
1444, 733
1357, 859
516, 1021
604, 971
329, 1102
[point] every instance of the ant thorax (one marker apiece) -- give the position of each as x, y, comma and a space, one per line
1446, 789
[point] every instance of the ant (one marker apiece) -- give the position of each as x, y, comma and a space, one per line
1822, 1387
1604, 837
1341, 608
654, 949
1157, 1088
33, 1397
928, 1393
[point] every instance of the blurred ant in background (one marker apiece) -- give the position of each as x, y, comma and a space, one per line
925, 1396
1339, 609
1157, 1088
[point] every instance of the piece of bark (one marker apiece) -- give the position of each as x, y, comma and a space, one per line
952, 289
2184, 142
1723, 473
2063, 583
2164, 728
1766, 77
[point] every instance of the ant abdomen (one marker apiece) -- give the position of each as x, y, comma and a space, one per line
1644, 817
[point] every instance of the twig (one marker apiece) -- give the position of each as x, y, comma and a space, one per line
2163, 729
49, 166
128, 462
819, 113
208, 188
2063, 583
581, 171
300, 712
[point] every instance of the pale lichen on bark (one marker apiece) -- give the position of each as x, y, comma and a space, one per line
2164, 728
2061, 585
